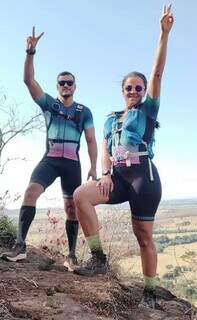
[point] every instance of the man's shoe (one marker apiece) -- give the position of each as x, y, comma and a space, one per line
71, 262
17, 253
97, 264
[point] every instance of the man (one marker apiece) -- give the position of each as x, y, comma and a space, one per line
65, 121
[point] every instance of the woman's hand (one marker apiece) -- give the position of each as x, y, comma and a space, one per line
105, 184
33, 40
167, 19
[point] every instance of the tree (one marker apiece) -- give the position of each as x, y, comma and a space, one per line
12, 125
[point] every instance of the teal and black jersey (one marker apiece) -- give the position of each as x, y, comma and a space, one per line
138, 126
135, 177
64, 126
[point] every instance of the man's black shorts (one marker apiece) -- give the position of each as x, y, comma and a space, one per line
49, 168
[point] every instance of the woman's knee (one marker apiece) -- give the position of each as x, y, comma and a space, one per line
78, 196
143, 232
88, 194
144, 240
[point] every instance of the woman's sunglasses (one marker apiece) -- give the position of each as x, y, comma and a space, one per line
63, 82
137, 88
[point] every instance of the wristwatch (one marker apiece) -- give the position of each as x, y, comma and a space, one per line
106, 173
31, 51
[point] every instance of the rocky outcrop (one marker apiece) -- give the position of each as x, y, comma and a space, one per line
41, 288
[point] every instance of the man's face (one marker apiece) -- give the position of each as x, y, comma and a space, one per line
66, 86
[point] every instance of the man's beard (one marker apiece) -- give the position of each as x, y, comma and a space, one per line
66, 95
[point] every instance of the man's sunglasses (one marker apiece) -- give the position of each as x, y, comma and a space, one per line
68, 82
137, 88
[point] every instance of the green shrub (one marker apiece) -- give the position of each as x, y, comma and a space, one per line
7, 232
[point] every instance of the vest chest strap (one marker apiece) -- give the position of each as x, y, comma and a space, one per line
128, 155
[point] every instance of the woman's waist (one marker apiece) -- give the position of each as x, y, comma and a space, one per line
129, 155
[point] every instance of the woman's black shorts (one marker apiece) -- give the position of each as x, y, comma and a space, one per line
133, 184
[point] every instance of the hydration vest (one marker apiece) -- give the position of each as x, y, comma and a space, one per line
132, 131
57, 112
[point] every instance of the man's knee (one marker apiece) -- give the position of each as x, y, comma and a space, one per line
33, 192
69, 207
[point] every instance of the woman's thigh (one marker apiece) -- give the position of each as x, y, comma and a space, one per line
145, 196
90, 192
119, 193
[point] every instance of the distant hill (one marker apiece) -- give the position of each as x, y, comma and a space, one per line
171, 204
177, 202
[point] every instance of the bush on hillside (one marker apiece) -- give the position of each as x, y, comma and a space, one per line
7, 232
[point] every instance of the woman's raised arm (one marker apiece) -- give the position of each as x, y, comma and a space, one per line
154, 83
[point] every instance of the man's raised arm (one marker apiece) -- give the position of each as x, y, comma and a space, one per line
34, 88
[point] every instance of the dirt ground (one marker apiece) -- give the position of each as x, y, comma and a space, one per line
40, 288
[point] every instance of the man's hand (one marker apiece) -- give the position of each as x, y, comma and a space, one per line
33, 40
92, 173
167, 19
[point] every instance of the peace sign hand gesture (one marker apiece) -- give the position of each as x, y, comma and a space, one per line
167, 19
33, 40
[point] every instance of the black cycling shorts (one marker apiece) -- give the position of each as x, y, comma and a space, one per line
49, 168
133, 184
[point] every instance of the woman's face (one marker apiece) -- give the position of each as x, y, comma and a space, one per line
133, 91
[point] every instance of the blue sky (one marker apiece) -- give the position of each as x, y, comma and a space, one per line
100, 42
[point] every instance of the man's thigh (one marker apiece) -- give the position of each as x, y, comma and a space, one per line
44, 173
70, 178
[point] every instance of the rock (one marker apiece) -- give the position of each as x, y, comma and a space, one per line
50, 291
30, 293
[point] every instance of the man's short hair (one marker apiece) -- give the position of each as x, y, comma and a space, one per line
65, 73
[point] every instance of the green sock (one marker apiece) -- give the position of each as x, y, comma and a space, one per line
94, 243
150, 282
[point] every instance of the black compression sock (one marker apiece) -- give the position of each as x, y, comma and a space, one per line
72, 227
26, 216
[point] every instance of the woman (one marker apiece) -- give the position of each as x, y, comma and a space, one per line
127, 147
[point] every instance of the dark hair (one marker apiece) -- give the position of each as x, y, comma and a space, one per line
135, 74
65, 73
